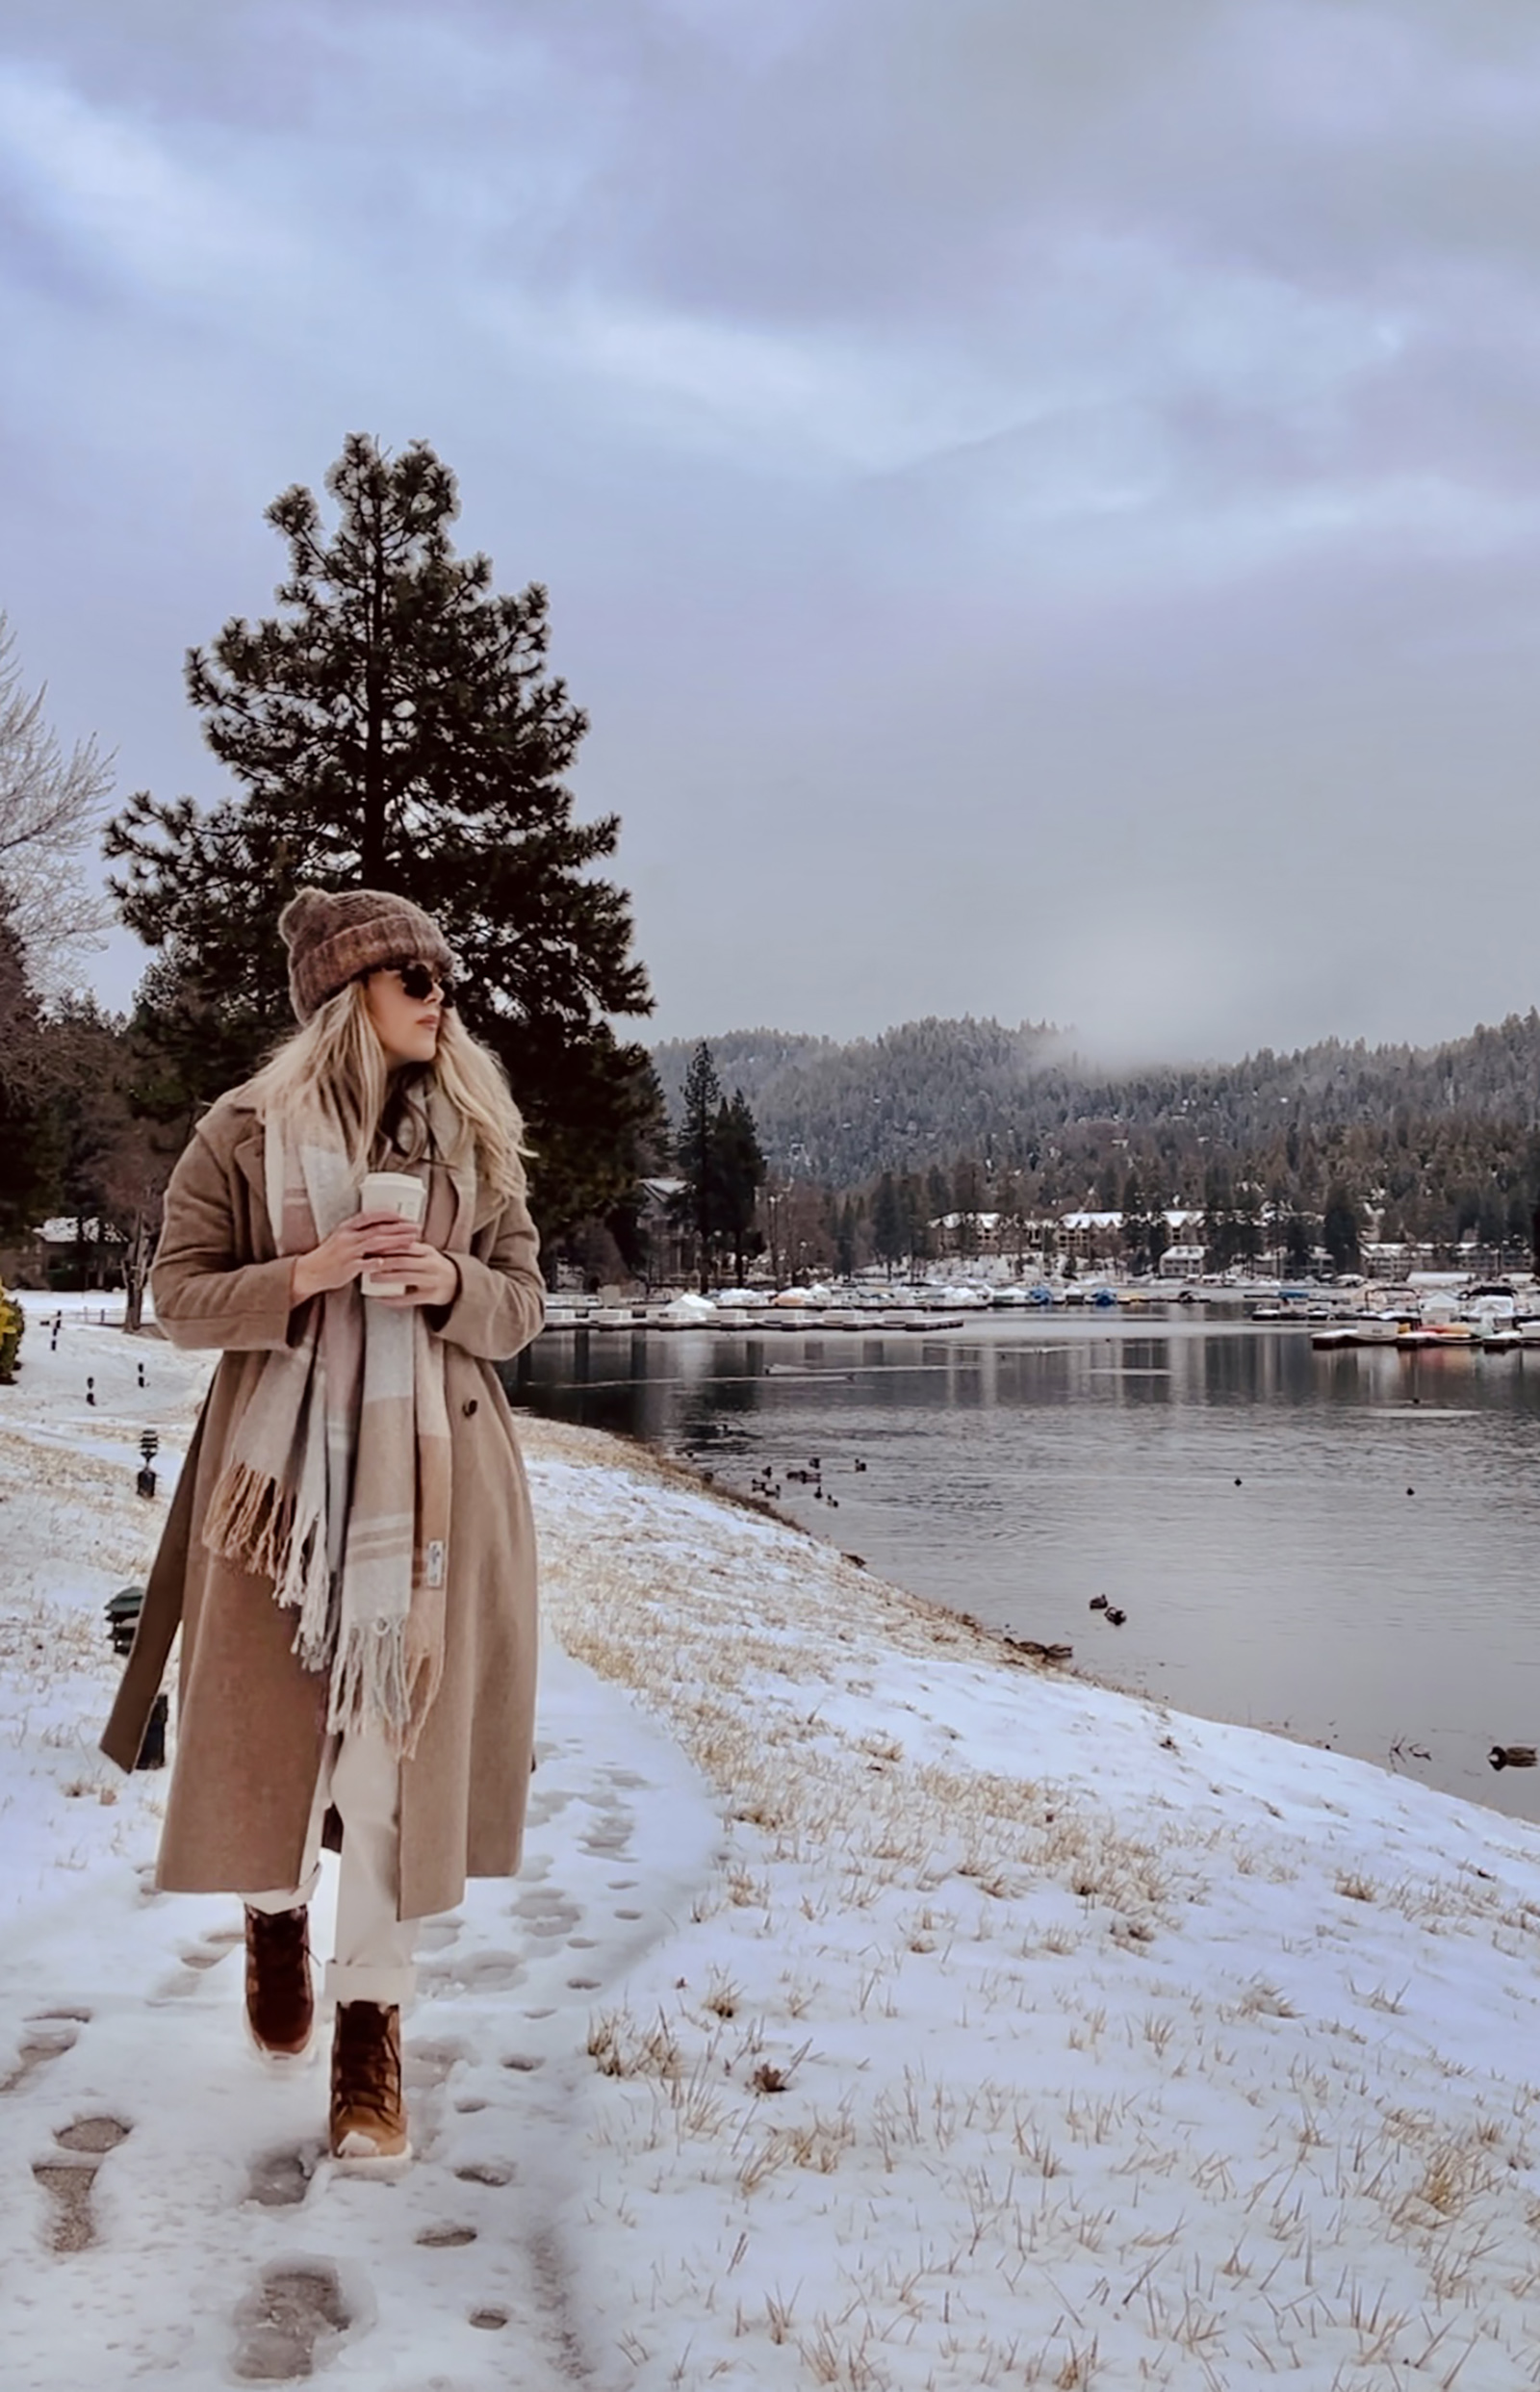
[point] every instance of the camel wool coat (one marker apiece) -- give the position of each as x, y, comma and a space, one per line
252, 1719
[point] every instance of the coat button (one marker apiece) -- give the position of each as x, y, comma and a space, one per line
468, 1407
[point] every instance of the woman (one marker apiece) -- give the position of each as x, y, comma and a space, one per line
350, 1550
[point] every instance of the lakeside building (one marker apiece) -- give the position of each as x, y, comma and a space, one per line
670, 1241
979, 1233
66, 1253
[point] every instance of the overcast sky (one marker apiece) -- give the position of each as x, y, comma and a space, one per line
1040, 497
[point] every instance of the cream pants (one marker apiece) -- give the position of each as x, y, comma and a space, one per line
372, 1959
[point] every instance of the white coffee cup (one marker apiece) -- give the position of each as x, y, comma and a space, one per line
391, 1192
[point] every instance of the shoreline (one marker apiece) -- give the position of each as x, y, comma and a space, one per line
868, 2014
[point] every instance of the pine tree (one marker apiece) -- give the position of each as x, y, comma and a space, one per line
1298, 1245
1339, 1226
919, 1239
966, 1192
1219, 1217
395, 726
889, 1242
738, 1168
1135, 1225
696, 1154
1247, 1232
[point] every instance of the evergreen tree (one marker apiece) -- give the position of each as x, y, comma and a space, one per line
938, 1200
967, 1185
81, 1055
738, 1169
113, 1156
890, 1238
1298, 1243
395, 726
921, 1242
1340, 1227
1135, 1225
697, 1153
1246, 1229
1219, 1217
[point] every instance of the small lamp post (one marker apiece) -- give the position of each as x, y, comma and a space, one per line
149, 1445
122, 1619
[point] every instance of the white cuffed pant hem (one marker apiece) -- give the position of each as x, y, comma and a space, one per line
373, 1947
392, 1986
274, 1904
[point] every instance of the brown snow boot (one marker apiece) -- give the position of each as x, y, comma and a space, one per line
280, 2002
367, 2111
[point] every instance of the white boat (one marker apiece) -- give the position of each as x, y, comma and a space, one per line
1492, 1311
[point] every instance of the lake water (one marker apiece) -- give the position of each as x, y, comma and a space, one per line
1344, 1546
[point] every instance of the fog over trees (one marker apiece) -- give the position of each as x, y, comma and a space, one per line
1438, 1140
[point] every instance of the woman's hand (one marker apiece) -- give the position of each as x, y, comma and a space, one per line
363, 1240
426, 1277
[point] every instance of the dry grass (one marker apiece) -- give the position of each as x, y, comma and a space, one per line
883, 1839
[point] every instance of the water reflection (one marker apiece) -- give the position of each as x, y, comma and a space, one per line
1342, 1543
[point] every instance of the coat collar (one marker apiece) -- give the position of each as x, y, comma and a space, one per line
246, 1154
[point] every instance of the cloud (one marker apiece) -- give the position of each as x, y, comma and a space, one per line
1023, 485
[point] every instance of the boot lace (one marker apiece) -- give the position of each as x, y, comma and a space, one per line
280, 1948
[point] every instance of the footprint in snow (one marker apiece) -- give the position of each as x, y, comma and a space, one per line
290, 2314
48, 2036
548, 1804
545, 1912
427, 2065
280, 2180
482, 1972
426, 2070
201, 1956
69, 2180
609, 1836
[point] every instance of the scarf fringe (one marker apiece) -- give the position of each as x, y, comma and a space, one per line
381, 1679
249, 1519
257, 1524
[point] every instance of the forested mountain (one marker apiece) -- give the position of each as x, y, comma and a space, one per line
1438, 1138
911, 1096
929, 1089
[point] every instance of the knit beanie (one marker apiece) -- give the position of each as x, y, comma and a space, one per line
334, 935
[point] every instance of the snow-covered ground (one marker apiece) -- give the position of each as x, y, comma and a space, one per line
874, 2011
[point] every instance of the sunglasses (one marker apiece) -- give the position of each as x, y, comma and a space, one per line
419, 979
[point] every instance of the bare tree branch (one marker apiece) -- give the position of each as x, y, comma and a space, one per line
50, 814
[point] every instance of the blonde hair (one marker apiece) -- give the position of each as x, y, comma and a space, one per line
337, 1066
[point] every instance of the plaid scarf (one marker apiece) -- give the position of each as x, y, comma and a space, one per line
340, 1429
